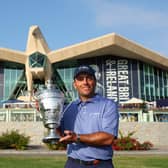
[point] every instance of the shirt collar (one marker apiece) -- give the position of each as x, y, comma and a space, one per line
93, 99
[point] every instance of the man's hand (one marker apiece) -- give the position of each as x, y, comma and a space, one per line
69, 137
58, 132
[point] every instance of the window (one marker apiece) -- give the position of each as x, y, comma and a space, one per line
37, 60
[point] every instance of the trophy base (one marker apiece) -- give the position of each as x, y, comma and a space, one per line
51, 140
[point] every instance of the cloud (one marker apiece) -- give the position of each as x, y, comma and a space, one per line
112, 14
140, 21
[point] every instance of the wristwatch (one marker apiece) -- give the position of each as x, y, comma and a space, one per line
78, 138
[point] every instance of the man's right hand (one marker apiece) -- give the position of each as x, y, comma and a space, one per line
69, 137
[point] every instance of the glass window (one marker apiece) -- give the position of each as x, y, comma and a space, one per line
147, 91
151, 70
151, 80
37, 60
156, 77
146, 69
152, 91
11, 77
146, 79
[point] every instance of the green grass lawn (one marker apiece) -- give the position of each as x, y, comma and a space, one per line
146, 161
120, 161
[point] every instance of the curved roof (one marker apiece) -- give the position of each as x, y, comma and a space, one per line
110, 44
12, 55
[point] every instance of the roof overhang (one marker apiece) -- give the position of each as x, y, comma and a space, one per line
111, 44
12, 55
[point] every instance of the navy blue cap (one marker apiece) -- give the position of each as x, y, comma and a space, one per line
84, 69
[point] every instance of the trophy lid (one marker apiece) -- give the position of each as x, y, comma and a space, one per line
49, 91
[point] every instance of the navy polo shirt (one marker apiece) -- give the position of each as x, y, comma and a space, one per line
96, 114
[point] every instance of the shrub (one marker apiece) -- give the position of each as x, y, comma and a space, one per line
14, 140
146, 145
122, 143
129, 143
56, 146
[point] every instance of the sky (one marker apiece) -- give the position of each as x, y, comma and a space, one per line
67, 22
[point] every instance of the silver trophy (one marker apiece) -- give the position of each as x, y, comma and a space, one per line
50, 102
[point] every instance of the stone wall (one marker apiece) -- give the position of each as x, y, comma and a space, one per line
154, 132
33, 129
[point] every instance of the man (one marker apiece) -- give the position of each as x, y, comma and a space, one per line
89, 124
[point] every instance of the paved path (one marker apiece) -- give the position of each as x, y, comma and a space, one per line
41, 151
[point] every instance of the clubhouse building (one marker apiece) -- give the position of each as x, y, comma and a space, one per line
124, 69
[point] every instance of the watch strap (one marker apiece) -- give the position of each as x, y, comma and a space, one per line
78, 138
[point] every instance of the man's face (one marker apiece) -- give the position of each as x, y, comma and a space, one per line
85, 85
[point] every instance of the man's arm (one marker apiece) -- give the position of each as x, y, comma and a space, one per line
94, 139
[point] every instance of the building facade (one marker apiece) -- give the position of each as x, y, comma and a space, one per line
123, 68
120, 78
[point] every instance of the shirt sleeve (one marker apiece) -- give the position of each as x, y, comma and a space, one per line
110, 121
61, 117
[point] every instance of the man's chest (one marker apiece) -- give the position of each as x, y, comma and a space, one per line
84, 118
